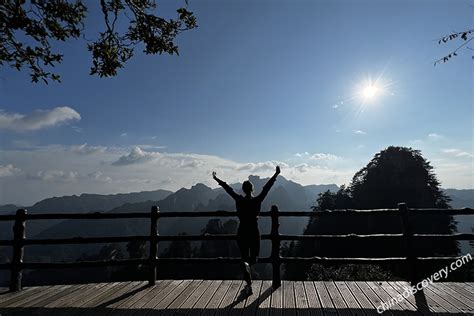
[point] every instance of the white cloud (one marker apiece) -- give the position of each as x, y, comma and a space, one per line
261, 166
38, 119
458, 152
360, 132
321, 156
85, 149
434, 136
123, 134
136, 156
99, 177
302, 167
55, 176
299, 155
8, 170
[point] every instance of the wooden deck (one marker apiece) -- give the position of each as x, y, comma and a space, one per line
223, 297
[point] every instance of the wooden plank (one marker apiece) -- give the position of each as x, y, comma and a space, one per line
461, 301
127, 294
205, 298
418, 302
433, 306
175, 292
289, 302
362, 300
151, 297
61, 293
325, 299
264, 301
194, 297
175, 306
460, 290
104, 297
374, 299
445, 300
137, 294
349, 299
441, 301
251, 303
70, 299
20, 301
87, 301
97, 304
276, 303
214, 302
404, 304
301, 301
229, 299
242, 298
337, 299
54, 290
7, 298
469, 286
314, 303
389, 296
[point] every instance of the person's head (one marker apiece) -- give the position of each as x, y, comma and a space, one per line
247, 187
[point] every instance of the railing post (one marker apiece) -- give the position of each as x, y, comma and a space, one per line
18, 250
153, 244
275, 256
407, 231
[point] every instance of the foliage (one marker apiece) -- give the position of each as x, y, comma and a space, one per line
348, 272
397, 174
466, 36
136, 249
179, 249
107, 252
334, 200
394, 175
27, 30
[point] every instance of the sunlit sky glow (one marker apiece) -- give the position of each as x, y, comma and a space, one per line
318, 87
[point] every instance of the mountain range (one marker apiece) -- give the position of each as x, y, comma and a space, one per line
288, 195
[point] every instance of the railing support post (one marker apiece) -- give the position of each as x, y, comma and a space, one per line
411, 273
18, 250
153, 244
275, 255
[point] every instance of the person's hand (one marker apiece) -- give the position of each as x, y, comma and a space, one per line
277, 170
214, 175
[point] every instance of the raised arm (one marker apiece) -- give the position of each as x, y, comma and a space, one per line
226, 187
269, 184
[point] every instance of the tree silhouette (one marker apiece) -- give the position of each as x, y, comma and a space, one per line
397, 174
27, 29
179, 248
394, 175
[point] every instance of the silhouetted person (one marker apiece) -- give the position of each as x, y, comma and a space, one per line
248, 209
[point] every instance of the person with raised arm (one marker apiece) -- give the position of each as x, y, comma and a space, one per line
248, 235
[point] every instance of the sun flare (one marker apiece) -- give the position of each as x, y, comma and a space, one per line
369, 92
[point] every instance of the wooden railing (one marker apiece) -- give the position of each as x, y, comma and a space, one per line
16, 266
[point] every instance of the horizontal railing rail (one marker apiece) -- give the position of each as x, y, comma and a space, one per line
16, 266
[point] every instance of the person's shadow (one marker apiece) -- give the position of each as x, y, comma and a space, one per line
243, 295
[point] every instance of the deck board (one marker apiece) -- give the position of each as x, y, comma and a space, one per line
362, 300
215, 301
251, 302
276, 303
289, 303
264, 301
224, 297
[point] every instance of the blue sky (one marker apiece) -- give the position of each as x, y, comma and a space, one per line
256, 84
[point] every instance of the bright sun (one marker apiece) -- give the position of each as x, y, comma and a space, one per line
369, 91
